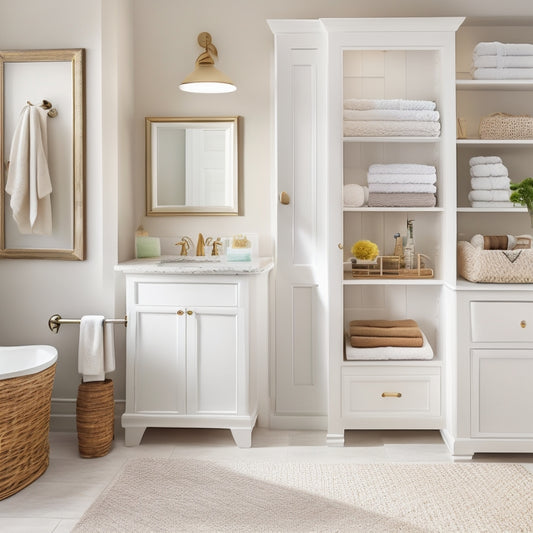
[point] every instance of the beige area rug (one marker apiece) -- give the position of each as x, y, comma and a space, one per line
170, 495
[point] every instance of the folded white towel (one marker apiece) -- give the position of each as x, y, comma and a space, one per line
401, 168
402, 178
401, 187
28, 178
503, 74
362, 104
389, 352
492, 204
490, 183
498, 61
391, 114
489, 170
96, 351
483, 160
481, 195
503, 49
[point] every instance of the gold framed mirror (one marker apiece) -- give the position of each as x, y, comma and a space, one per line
192, 166
42, 118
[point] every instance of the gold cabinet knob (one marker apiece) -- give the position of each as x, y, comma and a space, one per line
180, 312
284, 198
341, 246
189, 312
523, 324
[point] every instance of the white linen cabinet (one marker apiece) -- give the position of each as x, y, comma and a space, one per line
491, 370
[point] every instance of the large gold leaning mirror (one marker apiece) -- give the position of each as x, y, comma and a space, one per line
42, 152
192, 166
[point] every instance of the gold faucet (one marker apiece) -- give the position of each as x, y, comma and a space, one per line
185, 243
200, 250
216, 244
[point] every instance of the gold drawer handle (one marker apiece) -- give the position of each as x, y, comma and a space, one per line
523, 324
391, 394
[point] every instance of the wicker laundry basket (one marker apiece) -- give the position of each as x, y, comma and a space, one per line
95, 418
25, 413
504, 126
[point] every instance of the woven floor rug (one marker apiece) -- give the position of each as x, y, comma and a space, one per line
171, 495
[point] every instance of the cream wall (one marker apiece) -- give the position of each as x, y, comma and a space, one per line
137, 53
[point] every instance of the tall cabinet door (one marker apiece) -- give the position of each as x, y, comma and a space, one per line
300, 355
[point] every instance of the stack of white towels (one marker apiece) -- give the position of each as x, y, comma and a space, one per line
499, 61
390, 118
401, 185
490, 182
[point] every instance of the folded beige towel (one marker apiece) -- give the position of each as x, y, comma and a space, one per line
377, 323
377, 342
395, 331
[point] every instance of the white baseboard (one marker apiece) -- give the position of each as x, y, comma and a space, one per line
314, 423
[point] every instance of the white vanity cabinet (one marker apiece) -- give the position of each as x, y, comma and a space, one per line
189, 357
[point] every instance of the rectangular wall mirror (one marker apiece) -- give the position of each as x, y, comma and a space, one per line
192, 166
42, 151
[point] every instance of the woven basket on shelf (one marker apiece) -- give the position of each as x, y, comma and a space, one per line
504, 126
24, 425
95, 418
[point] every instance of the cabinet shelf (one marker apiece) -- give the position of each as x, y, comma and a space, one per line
349, 280
491, 210
487, 142
394, 363
469, 84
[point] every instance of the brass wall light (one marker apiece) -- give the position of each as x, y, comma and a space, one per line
205, 78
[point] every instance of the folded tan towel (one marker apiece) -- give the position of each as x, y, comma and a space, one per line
406, 323
377, 342
395, 331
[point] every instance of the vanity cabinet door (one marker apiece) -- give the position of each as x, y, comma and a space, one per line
159, 364
215, 360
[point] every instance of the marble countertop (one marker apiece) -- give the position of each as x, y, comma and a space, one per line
169, 264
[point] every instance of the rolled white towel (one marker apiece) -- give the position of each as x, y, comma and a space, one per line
354, 195
483, 160
496, 61
503, 74
488, 196
494, 205
490, 170
502, 49
362, 104
478, 241
490, 183
401, 187
391, 114
401, 168
401, 178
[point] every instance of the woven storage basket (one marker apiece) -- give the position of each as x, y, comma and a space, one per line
494, 266
95, 418
24, 425
503, 126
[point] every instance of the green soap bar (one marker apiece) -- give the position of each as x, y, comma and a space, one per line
147, 247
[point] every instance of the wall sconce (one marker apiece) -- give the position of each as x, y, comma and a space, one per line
205, 78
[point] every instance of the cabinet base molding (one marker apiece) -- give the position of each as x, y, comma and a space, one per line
241, 427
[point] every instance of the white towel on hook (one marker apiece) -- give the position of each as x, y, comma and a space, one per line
96, 349
28, 177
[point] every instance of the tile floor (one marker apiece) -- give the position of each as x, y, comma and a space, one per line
56, 501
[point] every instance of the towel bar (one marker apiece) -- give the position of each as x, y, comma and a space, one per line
55, 321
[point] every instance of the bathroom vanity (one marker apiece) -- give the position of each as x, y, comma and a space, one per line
195, 332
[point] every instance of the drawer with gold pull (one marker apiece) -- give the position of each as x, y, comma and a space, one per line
390, 390
501, 321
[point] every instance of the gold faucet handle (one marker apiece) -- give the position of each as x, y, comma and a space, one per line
185, 244
216, 244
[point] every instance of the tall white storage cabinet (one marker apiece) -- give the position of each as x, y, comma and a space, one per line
491, 370
409, 59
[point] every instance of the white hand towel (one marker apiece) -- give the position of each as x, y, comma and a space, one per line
502, 49
503, 74
484, 159
391, 114
496, 61
401, 187
489, 196
401, 168
362, 104
497, 170
492, 205
402, 178
490, 183
96, 350
391, 128
28, 178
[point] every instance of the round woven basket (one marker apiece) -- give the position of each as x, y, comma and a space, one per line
25, 403
95, 418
